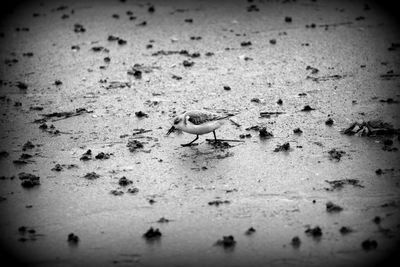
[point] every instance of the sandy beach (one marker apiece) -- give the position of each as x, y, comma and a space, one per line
309, 175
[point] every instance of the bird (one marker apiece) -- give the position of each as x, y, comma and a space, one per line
198, 122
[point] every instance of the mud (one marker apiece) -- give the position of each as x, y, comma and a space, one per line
303, 77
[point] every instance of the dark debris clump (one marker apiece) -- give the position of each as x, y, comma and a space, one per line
141, 114
91, 176
28, 145
336, 154
134, 145
331, 207
87, 155
226, 241
371, 128
369, 244
307, 108
250, 231
133, 190
284, 147
123, 181
314, 232
297, 131
28, 180
338, 184
218, 202
152, 234
344, 230
72, 238
57, 168
116, 192
263, 132
296, 242
329, 122
102, 155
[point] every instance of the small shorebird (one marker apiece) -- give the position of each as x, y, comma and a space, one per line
198, 122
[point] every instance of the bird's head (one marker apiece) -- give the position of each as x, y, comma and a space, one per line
177, 123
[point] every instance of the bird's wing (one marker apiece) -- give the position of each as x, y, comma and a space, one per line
200, 117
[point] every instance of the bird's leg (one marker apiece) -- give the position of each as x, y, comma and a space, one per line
215, 137
189, 144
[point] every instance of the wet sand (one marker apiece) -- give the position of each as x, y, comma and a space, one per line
69, 84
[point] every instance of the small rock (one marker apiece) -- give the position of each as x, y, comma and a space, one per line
272, 41
227, 88
279, 102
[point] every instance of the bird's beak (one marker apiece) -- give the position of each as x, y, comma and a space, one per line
171, 130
